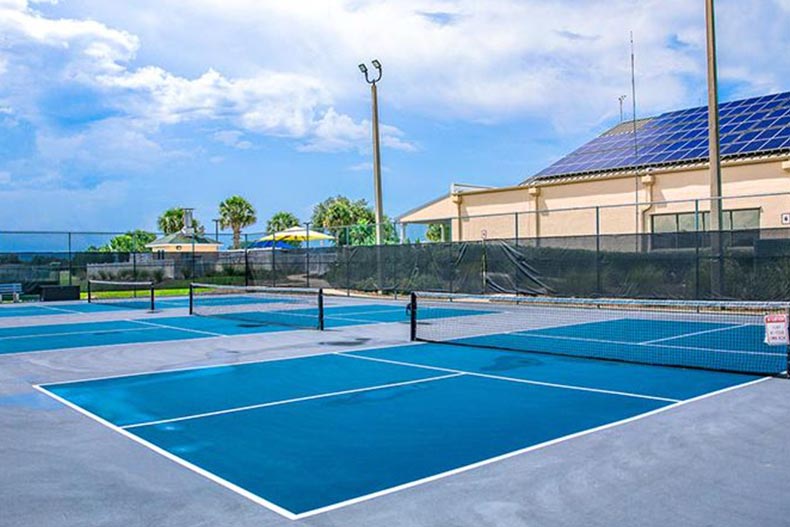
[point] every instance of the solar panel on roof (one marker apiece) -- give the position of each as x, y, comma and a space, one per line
748, 127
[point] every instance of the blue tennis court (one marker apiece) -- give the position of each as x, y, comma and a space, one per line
115, 304
305, 435
162, 329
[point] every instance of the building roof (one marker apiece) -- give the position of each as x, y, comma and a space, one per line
751, 127
180, 238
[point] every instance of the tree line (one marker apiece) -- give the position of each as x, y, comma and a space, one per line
350, 222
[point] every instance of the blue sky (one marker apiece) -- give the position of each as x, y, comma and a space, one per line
112, 111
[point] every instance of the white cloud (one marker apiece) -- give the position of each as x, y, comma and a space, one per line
233, 139
561, 61
337, 132
361, 167
286, 68
109, 145
109, 87
5, 177
63, 54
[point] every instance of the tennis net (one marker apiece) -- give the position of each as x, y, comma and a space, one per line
743, 337
301, 308
122, 294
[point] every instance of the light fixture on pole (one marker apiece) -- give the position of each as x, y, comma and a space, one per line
376, 142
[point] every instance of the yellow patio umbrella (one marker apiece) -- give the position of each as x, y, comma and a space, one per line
296, 234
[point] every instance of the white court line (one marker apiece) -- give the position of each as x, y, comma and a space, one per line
694, 334
61, 309
172, 457
289, 401
67, 333
512, 379
146, 343
602, 341
515, 453
165, 326
228, 365
294, 516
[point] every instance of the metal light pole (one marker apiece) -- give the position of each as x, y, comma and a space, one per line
713, 144
216, 229
376, 148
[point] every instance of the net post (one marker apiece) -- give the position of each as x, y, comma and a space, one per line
413, 316
321, 309
787, 348
191, 299
89, 291
153, 305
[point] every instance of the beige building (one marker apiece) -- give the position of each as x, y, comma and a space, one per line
594, 190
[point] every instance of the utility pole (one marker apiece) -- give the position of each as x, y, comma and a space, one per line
376, 146
717, 271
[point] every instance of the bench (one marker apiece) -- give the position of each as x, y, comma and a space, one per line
15, 290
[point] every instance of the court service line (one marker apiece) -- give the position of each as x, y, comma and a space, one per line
149, 343
694, 334
69, 333
61, 310
143, 373
637, 344
289, 401
165, 326
520, 452
172, 457
294, 516
513, 379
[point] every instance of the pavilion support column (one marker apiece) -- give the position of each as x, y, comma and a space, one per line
535, 193
459, 200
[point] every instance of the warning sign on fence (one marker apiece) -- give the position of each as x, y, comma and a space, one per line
776, 333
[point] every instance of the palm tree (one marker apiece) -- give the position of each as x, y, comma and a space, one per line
172, 220
281, 221
236, 213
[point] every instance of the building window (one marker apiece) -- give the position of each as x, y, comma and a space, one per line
676, 231
732, 220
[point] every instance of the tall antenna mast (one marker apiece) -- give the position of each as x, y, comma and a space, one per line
636, 142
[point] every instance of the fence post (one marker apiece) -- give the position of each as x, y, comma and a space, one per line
484, 268
307, 254
246, 262
274, 262
194, 277
71, 260
348, 270
696, 250
598, 251
395, 285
